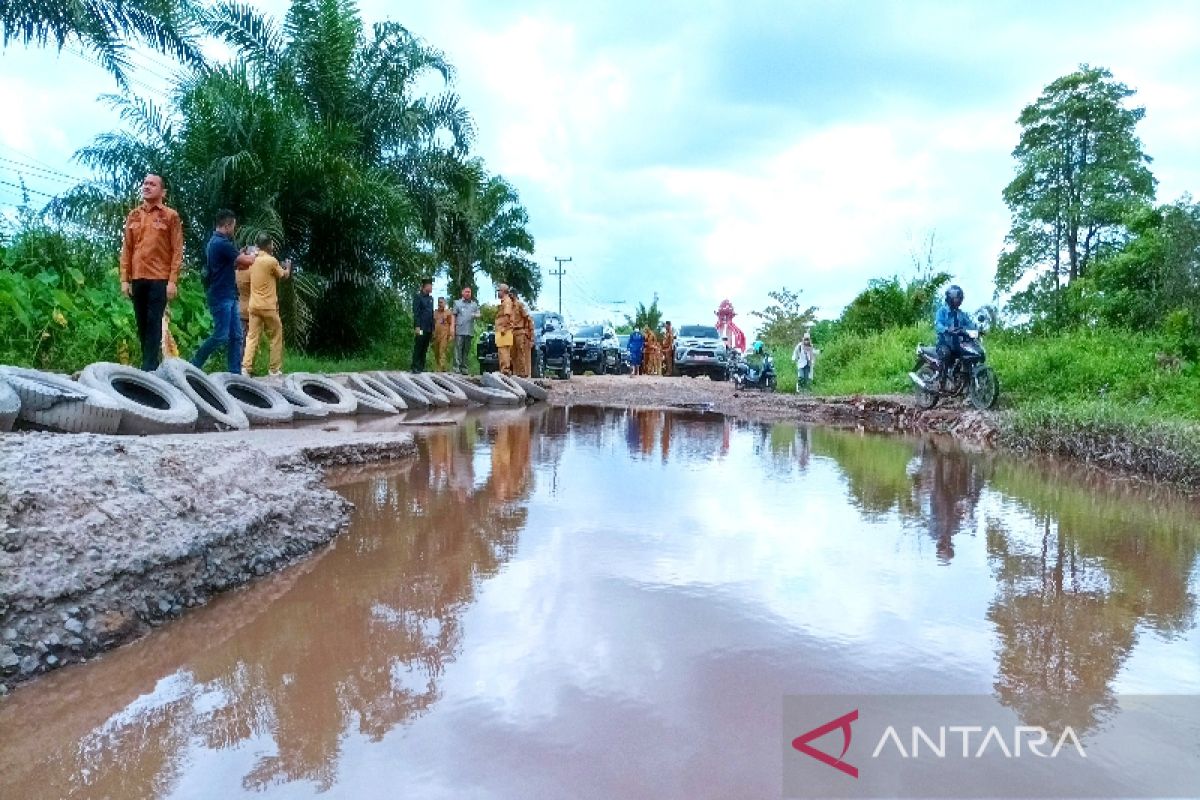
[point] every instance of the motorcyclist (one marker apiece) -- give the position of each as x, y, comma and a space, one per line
950, 323
756, 360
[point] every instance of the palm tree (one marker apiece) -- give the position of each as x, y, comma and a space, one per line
311, 132
478, 226
104, 27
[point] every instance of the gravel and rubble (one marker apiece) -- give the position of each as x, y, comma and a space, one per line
103, 537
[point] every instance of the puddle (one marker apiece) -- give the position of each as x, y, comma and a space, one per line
600, 603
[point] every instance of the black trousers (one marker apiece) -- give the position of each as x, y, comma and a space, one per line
149, 303
420, 350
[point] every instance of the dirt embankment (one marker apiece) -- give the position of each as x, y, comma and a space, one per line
893, 414
1167, 453
103, 537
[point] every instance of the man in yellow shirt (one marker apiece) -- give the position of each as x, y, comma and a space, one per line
265, 273
506, 323
522, 337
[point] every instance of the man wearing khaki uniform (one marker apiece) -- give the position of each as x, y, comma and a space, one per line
522, 338
506, 322
265, 273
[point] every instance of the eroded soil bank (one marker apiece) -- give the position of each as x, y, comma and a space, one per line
891, 414
1167, 453
103, 537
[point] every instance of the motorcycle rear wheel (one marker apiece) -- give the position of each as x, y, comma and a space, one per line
924, 398
984, 389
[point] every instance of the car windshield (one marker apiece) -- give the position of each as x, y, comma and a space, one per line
589, 332
623, 339
539, 321
699, 332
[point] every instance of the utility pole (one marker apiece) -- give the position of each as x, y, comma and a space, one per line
559, 274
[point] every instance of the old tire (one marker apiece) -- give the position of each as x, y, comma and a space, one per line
449, 388
216, 407
38, 390
10, 406
303, 406
96, 412
370, 404
505, 383
438, 397
474, 392
534, 391
336, 397
262, 404
404, 387
149, 405
370, 385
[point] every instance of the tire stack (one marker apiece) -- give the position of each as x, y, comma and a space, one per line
180, 398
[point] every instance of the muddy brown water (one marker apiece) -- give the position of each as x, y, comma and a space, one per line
576, 602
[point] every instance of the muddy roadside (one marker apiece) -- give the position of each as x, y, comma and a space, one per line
885, 414
104, 537
1167, 453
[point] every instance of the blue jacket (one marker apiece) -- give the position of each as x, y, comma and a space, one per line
222, 256
948, 318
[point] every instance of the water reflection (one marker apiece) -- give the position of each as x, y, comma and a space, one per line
1079, 566
1081, 574
539, 587
359, 645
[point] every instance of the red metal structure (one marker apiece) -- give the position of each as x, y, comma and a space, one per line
725, 326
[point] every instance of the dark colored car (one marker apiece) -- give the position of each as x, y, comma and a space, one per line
551, 347
623, 365
699, 350
595, 348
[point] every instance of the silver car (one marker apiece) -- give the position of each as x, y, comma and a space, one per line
699, 350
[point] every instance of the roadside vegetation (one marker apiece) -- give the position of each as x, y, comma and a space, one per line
1099, 332
343, 140
348, 143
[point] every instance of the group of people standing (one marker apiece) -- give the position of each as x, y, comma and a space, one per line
442, 327
242, 281
650, 355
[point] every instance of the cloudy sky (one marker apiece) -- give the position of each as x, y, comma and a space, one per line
705, 150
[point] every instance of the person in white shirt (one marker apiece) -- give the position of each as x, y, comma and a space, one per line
804, 354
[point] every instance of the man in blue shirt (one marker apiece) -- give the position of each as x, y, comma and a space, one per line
949, 324
220, 284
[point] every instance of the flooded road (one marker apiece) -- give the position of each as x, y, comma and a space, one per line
600, 603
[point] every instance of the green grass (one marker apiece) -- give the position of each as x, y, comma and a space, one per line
1095, 373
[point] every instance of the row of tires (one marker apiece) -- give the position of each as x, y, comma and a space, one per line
178, 398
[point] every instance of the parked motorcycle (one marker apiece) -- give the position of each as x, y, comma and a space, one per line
969, 374
746, 377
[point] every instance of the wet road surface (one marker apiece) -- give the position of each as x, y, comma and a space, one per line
613, 604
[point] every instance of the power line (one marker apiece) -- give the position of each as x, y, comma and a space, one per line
559, 274
26, 189
26, 156
47, 174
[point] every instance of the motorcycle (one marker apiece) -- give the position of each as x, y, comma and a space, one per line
969, 374
746, 377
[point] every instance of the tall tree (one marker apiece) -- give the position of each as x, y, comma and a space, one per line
786, 319
308, 132
476, 223
105, 27
1080, 170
